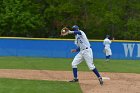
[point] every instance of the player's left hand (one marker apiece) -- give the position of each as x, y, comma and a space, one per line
64, 31
73, 50
104, 51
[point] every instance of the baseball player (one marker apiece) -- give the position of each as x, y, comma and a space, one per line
85, 53
107, 49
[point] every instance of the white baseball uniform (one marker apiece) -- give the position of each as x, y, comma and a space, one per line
107, 49
85, 51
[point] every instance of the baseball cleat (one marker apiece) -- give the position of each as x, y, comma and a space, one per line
107, 60
101, 81
74, 80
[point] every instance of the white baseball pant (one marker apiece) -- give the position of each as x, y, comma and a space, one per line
108, 51
86, 55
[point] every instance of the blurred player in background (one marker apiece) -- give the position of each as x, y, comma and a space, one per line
107, 49
85, 53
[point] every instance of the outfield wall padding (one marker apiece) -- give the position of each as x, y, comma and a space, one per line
61, 48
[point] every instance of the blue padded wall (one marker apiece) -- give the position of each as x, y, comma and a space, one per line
61, 48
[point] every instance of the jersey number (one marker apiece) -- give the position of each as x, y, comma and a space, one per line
78, 39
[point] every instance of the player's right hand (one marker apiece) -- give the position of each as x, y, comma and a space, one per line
73, 50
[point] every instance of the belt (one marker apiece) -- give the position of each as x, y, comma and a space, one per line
86, 48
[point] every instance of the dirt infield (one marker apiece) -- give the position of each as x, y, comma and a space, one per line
118, 83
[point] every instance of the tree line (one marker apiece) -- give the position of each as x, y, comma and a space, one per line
45, 18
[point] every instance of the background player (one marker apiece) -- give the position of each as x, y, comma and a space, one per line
85, 53
107, 49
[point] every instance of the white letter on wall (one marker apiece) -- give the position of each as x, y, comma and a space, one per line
128, 48
138, 50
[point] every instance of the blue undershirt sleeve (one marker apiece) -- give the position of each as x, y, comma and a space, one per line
77, 32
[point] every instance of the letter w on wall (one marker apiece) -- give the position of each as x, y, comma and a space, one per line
128, 49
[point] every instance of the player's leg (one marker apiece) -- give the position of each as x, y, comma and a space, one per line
77, 60
88, 56
108, 54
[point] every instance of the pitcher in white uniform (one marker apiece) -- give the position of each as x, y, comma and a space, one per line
107, 48
85, 53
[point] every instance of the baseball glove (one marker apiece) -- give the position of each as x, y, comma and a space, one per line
64, 31
104, 50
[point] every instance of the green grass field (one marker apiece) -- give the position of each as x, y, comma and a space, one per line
130, 66
36, 86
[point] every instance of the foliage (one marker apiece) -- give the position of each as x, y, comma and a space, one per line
45, 18
19, 18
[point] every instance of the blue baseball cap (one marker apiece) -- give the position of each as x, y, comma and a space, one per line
75, 27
